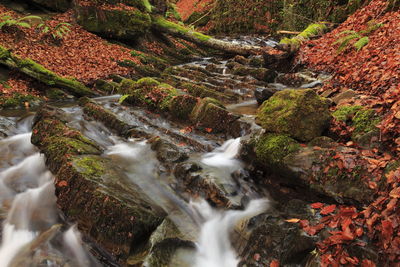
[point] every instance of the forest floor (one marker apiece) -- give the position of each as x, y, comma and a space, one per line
373, 73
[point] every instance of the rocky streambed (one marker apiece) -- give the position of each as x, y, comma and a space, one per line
211, 164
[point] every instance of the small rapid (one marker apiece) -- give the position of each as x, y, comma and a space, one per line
214, 247
32, 222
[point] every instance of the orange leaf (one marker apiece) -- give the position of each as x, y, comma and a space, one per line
274, 263
328, 209
294, 220
62, 183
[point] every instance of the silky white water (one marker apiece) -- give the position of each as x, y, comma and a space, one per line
27, 196
214, 248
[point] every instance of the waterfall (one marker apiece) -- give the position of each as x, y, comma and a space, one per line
213, 247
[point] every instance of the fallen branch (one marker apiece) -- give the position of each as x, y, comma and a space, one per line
40, 73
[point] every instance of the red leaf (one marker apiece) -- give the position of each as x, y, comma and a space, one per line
367, 263
328, 209
274, 263
317, 205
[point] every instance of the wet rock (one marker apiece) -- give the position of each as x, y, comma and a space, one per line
196, 183
92, 191
301, 114
6, 125
167, 152
348, 94
209, 113
262, 94
273, 238
233, 65
170, 247
312, 168
271, 149
261, 74
109, 119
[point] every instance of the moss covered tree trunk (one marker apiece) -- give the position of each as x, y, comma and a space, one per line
163, 25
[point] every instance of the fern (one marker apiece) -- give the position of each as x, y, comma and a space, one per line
344, 41
58, 32
361, 37
361, 43
24, 22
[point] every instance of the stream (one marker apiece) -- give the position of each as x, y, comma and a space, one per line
35, 232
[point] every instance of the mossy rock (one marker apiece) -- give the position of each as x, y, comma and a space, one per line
272, 148
150, 93
111, 120
18, 100
210, 115
300, 114
115, 23
181, 106
202, 91
108, 87
91, 190
198, 110
261, 74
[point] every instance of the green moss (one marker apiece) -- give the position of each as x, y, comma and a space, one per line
311, 31
147, 81
163, 23
37, 71
301, 114
345, 113
18, 100
181, 106
271, 149
199, 110
365, 121
55, 94
90, 166
123, 24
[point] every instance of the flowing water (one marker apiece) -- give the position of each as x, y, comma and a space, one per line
31, 230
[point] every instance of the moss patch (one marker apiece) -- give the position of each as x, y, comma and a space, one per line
301, 114
271, 149
365, 121
345, 113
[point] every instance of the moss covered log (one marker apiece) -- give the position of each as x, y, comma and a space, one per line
40, 73
163, 25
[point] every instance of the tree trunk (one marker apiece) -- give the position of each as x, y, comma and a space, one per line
163, 25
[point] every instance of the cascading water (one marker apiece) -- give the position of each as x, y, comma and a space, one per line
27, 196
214, 248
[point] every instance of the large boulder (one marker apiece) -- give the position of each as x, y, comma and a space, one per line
91, 190
300, 114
